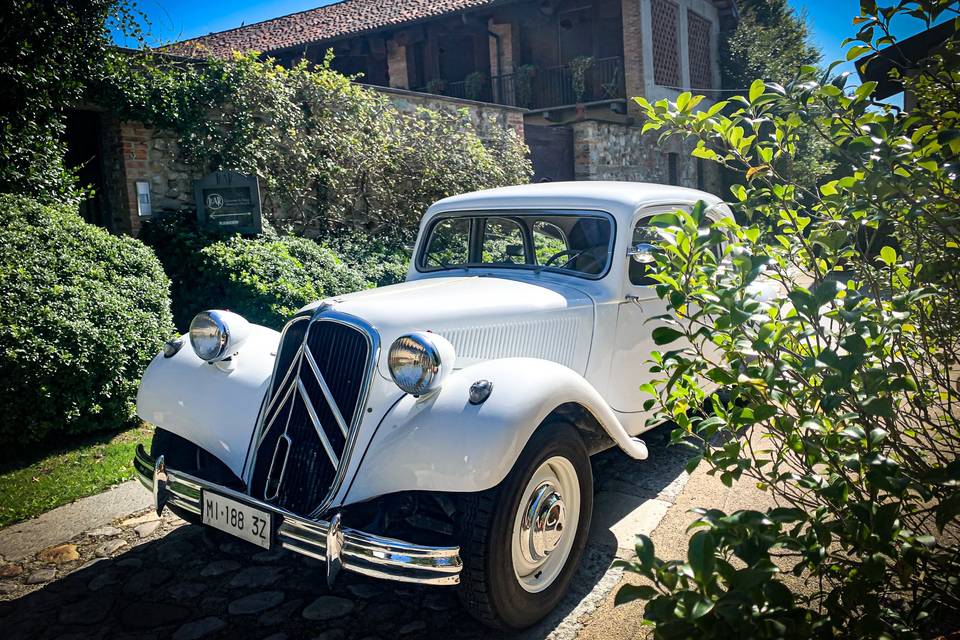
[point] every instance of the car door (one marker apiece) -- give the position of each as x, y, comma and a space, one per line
633, 343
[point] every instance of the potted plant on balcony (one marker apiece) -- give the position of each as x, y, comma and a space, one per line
437, 86
578, 76
525, 76
474, 85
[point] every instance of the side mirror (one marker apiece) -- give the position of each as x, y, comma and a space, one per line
642, 253
515, 250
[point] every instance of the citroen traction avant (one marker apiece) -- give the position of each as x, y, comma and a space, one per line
438, 430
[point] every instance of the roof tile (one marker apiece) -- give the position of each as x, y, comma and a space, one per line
336, 20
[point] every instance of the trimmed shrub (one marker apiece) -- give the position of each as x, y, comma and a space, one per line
178, 242
82, 312
267, 279
381, 261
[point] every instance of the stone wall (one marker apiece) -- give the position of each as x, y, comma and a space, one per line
613, 151
134, 152
485, 117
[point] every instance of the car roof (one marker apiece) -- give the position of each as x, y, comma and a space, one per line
618, 198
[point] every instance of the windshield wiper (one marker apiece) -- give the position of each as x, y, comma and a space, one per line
444, 265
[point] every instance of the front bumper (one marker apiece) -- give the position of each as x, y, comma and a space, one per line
338, 546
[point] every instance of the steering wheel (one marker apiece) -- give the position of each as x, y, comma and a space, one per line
574, 254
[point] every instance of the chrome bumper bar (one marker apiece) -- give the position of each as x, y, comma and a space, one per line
338, 546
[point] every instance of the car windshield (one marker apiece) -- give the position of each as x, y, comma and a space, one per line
571, 242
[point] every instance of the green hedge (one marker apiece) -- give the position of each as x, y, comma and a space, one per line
265, 279
82, 312
380, 260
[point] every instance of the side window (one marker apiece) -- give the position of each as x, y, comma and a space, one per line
503, 242
548, 240
449, 243
644, 233
638, 272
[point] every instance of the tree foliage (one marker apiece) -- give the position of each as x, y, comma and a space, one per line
842, 388
328, 151
48, 52
770, 41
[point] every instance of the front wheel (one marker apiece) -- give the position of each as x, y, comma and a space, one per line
522, 541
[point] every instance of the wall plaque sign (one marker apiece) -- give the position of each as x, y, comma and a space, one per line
228, 201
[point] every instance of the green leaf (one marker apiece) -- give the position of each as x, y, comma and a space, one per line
756, 89
646, 387
704, 152
645, 551
856, 52
888, 255
947, 510
701, 608
700, 552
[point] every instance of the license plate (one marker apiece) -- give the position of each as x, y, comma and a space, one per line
236, 518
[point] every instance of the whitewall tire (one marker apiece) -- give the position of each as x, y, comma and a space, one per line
522, 541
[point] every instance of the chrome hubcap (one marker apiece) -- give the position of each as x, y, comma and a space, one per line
543, 523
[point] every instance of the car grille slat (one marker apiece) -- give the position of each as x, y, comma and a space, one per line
299, 408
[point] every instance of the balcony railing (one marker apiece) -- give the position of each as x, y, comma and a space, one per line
534, 88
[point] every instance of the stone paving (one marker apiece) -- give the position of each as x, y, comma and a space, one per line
150, 577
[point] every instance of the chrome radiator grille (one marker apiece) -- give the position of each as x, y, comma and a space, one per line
322, 369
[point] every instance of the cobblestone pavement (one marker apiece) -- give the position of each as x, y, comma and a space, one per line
150, 577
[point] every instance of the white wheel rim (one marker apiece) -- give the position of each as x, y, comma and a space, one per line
546, 524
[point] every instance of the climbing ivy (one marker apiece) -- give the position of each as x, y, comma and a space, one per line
329, 152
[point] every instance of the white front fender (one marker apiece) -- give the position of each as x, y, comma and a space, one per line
441, 442
215, 406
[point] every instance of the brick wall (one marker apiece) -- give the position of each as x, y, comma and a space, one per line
632, 53
612, 151
505, 63
132, 153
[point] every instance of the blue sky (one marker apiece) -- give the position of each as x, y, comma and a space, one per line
171, 20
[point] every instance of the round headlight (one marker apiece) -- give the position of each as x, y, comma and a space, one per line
419, 361
209, 335
216, 334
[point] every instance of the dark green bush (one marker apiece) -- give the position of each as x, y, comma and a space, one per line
380, 260
267, 279
82, 312
178, 241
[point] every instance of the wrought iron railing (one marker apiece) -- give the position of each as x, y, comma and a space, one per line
534, 88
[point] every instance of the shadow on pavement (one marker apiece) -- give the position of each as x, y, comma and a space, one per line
197, 583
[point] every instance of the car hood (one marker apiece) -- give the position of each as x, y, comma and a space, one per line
484, 317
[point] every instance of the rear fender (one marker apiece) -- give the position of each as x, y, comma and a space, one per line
441, 442
214, 406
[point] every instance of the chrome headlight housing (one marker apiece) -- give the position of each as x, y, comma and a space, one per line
419, 362
216, 334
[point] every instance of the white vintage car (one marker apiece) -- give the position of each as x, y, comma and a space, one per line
436, 431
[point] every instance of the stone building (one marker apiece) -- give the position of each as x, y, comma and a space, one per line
571, 65
559, 72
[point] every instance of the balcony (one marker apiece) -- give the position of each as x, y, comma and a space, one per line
535, 88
